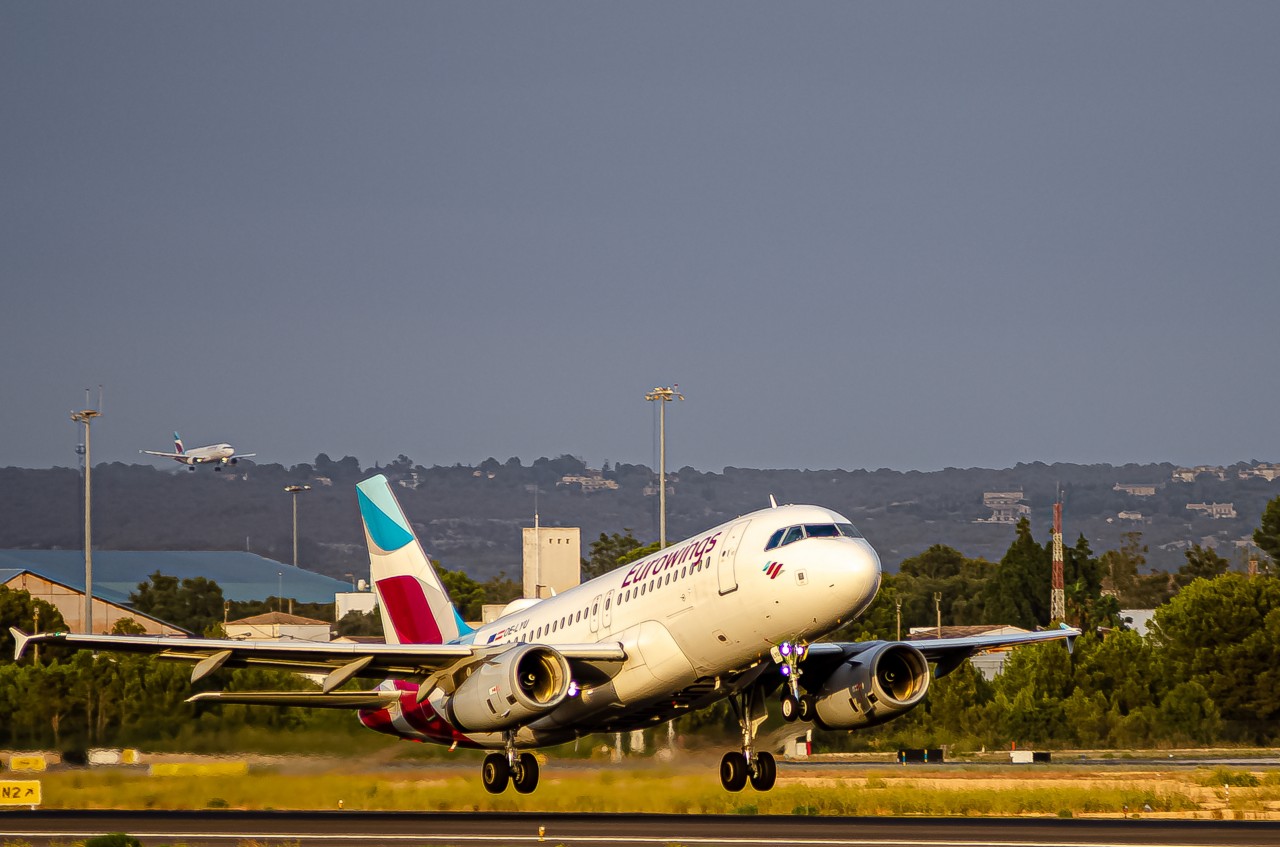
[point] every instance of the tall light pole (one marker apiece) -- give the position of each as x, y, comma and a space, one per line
665, 396
295, 490
86, 416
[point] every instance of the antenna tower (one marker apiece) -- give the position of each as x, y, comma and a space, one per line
1057, 594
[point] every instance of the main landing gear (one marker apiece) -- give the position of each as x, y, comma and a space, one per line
520, 769
739, 768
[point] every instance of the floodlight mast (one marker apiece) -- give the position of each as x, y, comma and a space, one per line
665, 395
86, 416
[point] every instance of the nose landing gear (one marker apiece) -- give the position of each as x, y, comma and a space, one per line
795, 706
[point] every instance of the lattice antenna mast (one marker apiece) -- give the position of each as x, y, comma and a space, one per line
1057, 593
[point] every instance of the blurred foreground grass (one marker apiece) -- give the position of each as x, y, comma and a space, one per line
690, 788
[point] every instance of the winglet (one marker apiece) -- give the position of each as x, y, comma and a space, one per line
1071, 639
20, 640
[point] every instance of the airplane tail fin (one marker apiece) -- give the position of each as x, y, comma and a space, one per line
413, 602
177, 444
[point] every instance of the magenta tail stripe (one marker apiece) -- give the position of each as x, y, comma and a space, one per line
409, 610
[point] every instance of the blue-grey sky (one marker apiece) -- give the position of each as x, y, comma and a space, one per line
906, 235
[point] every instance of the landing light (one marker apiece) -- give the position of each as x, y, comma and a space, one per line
785, 670
785, 649
573, 688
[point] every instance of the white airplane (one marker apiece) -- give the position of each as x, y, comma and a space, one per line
215, 454
731, 613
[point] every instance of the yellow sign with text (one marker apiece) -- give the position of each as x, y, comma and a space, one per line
20, 792
27, 763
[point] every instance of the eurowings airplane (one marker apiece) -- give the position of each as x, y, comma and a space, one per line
215, 454
731, 613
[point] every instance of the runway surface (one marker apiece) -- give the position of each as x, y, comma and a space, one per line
360, 829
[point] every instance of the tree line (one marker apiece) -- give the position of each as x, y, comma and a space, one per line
1208, 673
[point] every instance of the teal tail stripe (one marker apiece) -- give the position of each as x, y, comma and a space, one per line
382, 515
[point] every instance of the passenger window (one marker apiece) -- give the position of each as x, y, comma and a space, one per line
794, 534
775, 539
821, 530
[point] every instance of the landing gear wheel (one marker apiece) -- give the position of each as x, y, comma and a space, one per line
525, 779
766, 772
733, 771
807, 710
790, 707
495, 772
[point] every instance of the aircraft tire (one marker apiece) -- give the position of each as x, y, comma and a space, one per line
733, 771
495, 772
526, 779
790, 707
766, 772
807, 709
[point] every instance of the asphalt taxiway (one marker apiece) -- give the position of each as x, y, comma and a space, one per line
363, 829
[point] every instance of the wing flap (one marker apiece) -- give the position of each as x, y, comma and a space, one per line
306, 699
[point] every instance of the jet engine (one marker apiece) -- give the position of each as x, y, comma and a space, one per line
872, 687
510, 689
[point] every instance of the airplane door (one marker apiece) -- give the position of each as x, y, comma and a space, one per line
606, 611
725, 572
595, 614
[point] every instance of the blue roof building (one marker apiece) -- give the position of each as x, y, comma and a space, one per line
116, 573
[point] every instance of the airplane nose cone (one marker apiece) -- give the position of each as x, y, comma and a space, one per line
865, 572
849, 573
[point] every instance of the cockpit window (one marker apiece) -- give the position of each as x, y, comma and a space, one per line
791, 534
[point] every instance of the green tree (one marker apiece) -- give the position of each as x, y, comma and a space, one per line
957, 581
467, 594
1202, 563
1189, 715
356, 622
19, 609
194, 604
1018, 591
1224, 634
1086, 606
1267, 535
127, 626
605, 551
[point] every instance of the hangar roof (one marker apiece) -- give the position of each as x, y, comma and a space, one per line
116, 573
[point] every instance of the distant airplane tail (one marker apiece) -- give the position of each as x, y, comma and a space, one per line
177, 444
413, 602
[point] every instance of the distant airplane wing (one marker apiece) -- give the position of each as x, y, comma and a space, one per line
164, 455
244, 455
338, 662
947, 653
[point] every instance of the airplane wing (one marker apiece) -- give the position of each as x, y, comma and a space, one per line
947, 653
163, 455
337, 662
244, 455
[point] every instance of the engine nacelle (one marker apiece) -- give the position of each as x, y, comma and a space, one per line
872, 687
510, 689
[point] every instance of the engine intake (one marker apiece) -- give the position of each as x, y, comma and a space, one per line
872, 687
510, 689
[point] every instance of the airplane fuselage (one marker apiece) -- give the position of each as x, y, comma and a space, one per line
707, 607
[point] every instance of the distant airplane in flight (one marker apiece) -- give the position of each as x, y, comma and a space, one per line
731, 613
214, 454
